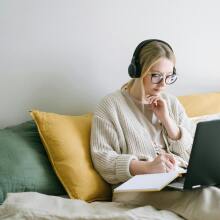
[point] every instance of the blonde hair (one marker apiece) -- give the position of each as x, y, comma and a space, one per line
149, 55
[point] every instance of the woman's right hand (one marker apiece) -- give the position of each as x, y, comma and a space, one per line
163, 163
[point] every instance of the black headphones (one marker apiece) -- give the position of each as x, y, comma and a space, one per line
134, 69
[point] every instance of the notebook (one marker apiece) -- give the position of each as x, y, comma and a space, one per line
203, 168
147, 182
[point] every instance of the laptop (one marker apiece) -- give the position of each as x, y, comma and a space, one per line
204, 163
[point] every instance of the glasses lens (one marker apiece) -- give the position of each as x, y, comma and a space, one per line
171, 79
156, 78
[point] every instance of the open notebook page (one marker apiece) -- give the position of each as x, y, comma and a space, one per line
147, 182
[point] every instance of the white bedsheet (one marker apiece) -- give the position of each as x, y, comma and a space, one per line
32, 205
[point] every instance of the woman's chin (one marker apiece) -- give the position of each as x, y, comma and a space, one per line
155, 91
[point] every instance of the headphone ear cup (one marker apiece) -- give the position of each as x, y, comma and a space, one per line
132, 71
174, 70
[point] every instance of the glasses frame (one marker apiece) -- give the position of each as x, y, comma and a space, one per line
162, 77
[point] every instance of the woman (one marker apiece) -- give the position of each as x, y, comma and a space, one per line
140, 129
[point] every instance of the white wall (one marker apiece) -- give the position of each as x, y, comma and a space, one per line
64, 55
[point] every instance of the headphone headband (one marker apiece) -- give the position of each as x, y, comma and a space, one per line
134, 69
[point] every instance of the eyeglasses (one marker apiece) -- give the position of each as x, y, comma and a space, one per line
157, 78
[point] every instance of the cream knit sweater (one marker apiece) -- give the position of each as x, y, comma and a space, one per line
120, 132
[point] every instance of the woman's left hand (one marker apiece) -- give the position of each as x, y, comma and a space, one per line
159, 106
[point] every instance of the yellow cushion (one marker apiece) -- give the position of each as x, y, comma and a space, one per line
201, 104
67, 142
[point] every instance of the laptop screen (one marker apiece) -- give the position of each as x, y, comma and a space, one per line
204, 163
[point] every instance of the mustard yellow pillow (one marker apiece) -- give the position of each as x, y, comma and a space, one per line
201, 104
67, 142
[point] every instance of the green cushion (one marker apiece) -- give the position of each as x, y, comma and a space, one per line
24, 165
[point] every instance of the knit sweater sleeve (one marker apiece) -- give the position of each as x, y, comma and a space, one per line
182, 147
105, 151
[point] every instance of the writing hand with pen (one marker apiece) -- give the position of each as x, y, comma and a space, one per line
163, 163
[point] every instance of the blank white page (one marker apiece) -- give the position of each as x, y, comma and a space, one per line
147, 182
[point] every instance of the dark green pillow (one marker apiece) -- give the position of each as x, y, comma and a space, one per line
24, 165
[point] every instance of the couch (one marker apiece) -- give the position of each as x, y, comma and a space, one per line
46, 171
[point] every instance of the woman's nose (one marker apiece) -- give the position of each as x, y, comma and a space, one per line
163, 83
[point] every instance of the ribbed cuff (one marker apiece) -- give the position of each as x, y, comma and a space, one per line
122, 167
